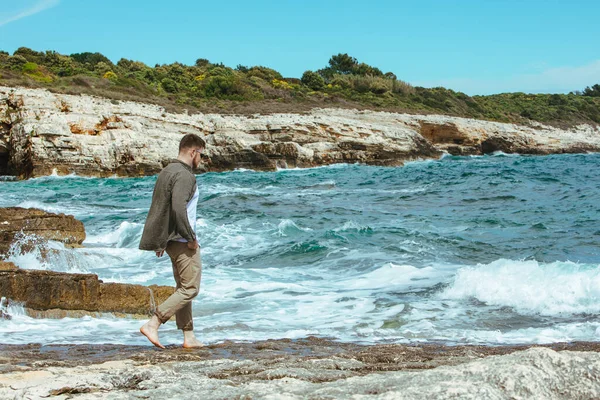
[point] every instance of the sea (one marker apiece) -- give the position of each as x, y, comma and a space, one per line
494, 250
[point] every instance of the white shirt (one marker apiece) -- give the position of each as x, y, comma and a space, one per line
191, 208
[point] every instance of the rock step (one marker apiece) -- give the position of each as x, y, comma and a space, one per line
58, 294
41, 224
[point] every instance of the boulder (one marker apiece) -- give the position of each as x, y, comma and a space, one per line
59, 294
40, 224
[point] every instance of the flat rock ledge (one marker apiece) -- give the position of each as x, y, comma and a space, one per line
40, 226
49, 294
309, 368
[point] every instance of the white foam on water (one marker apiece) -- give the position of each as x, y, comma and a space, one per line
127, 234
55, 176
288, 227
41, 206
530, 287
393, 277
241, 238
503, 154
564, 332
351, 226
29, 252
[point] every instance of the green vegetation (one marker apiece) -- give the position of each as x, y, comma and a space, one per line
593, 91
344, 82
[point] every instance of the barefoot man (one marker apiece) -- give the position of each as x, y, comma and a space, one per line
170, 227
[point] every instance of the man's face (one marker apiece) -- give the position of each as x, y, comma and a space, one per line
197, 157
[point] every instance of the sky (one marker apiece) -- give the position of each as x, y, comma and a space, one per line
472, 46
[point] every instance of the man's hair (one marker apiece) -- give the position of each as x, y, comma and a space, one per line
191, 140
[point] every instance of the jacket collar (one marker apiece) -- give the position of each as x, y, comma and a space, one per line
174, 160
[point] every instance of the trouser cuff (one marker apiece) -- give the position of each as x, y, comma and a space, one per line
160, 317
187, 327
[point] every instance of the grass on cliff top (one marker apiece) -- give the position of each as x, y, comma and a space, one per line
346, 83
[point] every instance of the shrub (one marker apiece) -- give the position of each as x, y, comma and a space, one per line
313, 80
30, 55
59, 64
219, 71
556, 100
132, 66
90, 59
169, 85
34, 71
16, 62
101, 68
281, 84
111, 76
30, 67
264, 73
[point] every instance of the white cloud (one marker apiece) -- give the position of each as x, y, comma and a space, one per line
37, 7
550, 80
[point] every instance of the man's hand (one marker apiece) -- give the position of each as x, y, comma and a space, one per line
192, 245
160, 253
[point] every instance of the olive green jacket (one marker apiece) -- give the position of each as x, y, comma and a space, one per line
167, 219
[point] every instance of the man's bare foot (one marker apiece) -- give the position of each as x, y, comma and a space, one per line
190, 341
150, 330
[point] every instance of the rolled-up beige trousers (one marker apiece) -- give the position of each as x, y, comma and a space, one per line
187, 270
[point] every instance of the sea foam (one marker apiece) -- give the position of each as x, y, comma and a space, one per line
531, 287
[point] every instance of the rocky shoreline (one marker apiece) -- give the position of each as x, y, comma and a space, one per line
50, 294
298, 369
43, 133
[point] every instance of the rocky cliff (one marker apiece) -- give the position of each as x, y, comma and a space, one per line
43, 132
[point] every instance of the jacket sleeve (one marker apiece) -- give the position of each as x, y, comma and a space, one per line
181, 193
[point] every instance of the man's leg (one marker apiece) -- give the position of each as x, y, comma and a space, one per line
187, 270
184, 316
150, 328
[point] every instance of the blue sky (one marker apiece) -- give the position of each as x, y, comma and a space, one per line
474, 46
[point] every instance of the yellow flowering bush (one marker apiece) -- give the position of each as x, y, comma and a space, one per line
111, 76
281, 84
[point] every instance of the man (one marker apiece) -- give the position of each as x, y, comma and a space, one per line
170, 227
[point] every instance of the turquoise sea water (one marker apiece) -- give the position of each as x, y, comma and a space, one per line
494, 249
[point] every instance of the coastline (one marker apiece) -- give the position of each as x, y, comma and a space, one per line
304, 368
42, 133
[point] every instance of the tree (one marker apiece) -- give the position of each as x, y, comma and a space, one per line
202, 62
90, 58
342, 63
30, 55
365, 69
313, 80
593, 91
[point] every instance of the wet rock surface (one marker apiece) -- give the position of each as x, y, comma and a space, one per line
307, 368
50, 294
17, 221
